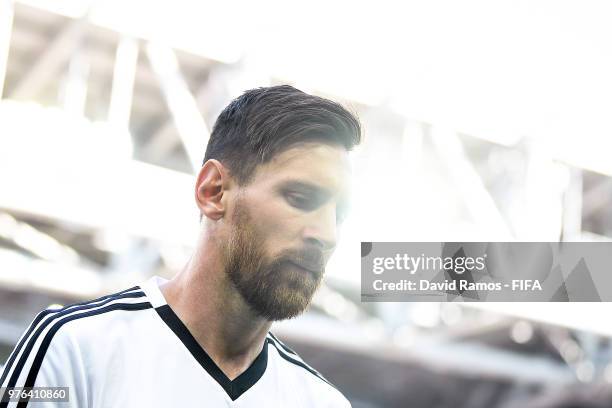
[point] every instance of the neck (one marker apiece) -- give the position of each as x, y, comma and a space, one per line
214, 312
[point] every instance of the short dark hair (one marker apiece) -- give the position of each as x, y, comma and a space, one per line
263, 122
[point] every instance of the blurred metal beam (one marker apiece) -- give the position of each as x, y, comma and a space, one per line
124, 74
31, 239
24, 38
88, 197
223, 83
572, 207
591, 236
80, 187
191, 126
74, 86
50, 61
163, 141
543, 188
23, 273
460, 358
597, 197
479, 202
6, 27
563, 314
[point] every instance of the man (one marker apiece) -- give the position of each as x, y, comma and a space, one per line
272, 193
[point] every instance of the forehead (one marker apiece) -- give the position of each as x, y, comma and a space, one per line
325, 165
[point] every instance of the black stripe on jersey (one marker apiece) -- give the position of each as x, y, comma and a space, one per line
37, 320
57, 314
234, 388
284, 354
40, 355
283, 345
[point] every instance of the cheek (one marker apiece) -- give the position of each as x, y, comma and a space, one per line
278, 234
277, 223
275, 217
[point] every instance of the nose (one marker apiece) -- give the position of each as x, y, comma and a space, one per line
322, 228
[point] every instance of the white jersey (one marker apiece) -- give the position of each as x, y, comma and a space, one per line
131, 350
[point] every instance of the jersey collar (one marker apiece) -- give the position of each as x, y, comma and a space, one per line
234, 388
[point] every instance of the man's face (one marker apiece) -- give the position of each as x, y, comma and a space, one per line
284, 226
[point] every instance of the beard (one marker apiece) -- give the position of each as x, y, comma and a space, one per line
274, 288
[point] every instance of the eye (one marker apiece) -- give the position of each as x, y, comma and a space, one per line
300, 200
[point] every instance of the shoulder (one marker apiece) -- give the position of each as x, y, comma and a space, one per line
50, 346
113, 308
308, 376
86, 319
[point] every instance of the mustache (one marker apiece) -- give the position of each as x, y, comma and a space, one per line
310, 258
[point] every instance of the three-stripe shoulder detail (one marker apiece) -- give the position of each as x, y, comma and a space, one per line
291, 356
49, 321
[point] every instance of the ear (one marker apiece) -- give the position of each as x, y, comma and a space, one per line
212, 183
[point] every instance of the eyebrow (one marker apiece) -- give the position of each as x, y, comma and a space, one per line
306, 186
